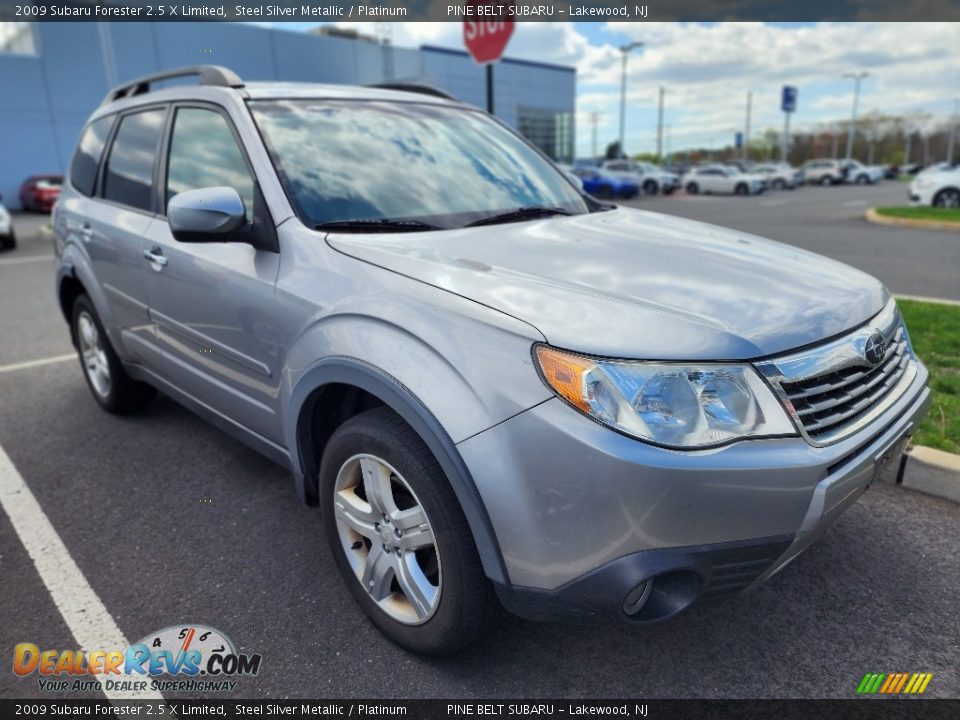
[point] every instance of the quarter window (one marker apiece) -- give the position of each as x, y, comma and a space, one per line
204, 153
129, 175
86, 158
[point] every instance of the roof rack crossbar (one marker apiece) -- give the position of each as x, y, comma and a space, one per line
414, 88
213, 75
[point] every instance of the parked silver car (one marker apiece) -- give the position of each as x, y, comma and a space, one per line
500, 392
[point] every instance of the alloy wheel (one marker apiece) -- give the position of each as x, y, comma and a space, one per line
387, 539
947, 199
94, 356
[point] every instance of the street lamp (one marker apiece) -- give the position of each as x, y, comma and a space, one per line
625, 50
856, 77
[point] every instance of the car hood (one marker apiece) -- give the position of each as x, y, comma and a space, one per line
634, 284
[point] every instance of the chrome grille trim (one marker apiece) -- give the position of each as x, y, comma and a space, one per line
832, 391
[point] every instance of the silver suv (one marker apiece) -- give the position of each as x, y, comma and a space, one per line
500, 392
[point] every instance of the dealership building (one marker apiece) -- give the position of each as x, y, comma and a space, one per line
52, 75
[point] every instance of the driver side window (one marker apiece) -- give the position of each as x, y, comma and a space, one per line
204, 153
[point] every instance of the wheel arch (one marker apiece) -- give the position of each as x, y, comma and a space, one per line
337, 388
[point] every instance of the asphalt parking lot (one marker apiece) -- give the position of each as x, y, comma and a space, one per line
170, 522
830, 221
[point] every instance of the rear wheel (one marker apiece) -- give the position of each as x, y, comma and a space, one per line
650, 187
826, 180
949, 198
862, 179
693, 188
741, 189
400, 538
112, 387
779, 184
9, 242
605, 192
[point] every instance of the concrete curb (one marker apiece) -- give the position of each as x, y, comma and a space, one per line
933, 472
873, 216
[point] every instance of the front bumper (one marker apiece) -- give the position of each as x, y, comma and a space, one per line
584, 516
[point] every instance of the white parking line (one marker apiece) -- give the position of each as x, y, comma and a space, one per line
27, 259
92, 626
37, 363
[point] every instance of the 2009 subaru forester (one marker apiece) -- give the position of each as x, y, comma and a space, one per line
499, 391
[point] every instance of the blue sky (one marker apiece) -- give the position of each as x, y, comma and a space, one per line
707, 70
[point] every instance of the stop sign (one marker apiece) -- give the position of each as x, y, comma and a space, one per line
487, 39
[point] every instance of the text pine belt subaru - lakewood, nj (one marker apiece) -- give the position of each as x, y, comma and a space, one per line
500, 392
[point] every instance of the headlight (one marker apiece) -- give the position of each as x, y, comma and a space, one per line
677, 405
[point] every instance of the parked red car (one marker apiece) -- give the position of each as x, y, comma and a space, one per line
39, 192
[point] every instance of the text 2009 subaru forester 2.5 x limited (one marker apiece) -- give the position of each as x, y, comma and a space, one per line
500, 392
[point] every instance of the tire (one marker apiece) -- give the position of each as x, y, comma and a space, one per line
948, 198
779, 184
692, 188
650, 187
605, 192
458, 603
741, 189
862, 179
9, 242
826, 180
114, 390
668, 191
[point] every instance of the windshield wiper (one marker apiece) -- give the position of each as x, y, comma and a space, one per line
376, 225
523, 213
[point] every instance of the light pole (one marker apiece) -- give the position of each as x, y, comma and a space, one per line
594, 119
856, 77
625, 50
746, 133
953, 131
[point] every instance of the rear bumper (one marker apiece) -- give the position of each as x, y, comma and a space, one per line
585, 516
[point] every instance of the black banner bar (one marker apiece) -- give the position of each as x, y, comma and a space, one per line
447, 11
868, 709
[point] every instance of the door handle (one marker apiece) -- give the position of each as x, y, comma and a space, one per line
86, 232
155, 256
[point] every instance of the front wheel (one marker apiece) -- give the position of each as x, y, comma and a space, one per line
949, 198
9, 242
650, 187
742, 189
605, 192
112, 387
862, 179
400, 538
779, 184
692, 188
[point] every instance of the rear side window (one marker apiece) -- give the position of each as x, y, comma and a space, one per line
204, 153
86, 159
129, 175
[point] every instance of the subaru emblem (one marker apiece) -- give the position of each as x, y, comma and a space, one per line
875, 349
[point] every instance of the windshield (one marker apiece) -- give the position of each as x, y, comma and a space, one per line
343, 161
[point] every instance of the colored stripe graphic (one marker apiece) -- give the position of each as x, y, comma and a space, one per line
894, 683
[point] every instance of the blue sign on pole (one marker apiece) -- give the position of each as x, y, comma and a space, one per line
738, 140
788, 102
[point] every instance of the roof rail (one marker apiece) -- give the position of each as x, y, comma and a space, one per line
414, 88
214, 75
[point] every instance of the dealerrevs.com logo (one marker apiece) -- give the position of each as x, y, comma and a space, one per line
200, 657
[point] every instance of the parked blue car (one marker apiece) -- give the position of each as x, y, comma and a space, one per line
605, 185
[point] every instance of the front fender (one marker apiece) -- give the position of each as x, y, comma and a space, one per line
393, 393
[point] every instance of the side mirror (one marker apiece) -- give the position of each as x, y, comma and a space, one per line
206, 214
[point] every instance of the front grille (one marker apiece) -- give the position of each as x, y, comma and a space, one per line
832, 391
826, 403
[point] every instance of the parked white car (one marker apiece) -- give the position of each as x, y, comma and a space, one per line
721, 179
824, 171
938, 167
779, 176
652, 178
937, 189
8, 239
862, 174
